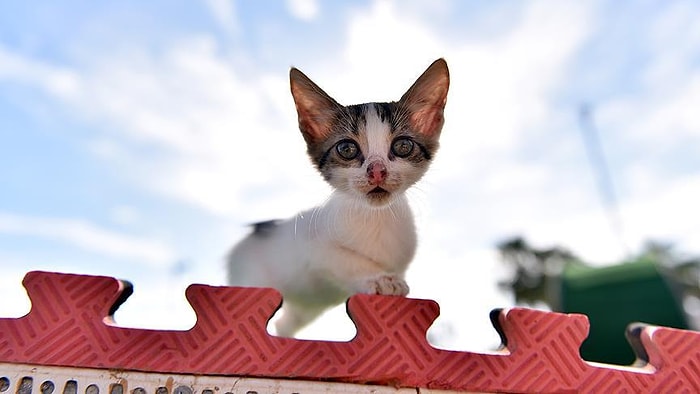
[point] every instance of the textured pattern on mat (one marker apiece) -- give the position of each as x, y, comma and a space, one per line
68, 326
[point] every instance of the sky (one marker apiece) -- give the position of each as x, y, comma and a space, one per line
138, 139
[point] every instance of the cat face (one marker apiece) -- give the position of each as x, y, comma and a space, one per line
373, 152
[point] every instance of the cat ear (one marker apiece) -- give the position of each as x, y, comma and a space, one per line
315, 108
425, 99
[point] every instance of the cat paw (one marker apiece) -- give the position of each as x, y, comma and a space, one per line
384, 285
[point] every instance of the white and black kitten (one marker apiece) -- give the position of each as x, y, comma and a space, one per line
363, 238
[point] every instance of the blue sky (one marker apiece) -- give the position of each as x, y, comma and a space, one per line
137, 140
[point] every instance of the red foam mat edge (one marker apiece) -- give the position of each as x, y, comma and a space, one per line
68, 326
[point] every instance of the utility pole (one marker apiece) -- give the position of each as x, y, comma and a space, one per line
599, 166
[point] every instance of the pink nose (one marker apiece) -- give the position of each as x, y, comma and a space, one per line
376, 172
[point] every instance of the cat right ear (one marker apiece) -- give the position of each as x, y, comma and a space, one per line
425, 100
315, 108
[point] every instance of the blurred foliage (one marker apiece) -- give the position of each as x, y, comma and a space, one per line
535, 274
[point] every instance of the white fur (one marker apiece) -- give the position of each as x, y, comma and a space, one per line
377, 134
322, 256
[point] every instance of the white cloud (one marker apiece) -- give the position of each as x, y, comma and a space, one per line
306, 10
224, 12
125, 215
664, 116
225, 132
658, 128
221, 134
667, 213
56, 81
662, 112
675, 34
87, 236
15, 300
159, 305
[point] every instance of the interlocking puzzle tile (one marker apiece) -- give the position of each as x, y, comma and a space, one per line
69, 325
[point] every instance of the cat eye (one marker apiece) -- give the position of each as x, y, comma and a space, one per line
402, 147
347, 149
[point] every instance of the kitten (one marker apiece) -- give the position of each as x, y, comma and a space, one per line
363, 238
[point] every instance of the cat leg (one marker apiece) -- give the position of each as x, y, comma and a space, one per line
294, 317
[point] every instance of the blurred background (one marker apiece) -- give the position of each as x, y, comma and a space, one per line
138, 139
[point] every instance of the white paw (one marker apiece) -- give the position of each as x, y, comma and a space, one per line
384, 285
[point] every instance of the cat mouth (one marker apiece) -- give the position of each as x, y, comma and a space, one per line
378, 194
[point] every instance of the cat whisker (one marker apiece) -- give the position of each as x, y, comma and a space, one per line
394, 216
312, 227
296, 222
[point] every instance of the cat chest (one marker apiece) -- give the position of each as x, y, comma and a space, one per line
389, 247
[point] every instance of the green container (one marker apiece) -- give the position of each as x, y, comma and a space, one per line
615, 296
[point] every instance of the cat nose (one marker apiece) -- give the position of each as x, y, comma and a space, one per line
376, 172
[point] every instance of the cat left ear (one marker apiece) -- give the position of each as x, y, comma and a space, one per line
425, 100
315, 108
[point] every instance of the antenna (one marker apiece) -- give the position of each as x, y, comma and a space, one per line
596, 158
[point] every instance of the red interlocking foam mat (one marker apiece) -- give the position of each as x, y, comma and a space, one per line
69, 325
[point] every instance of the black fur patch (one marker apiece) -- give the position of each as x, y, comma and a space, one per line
385, 111
347, 124
351, 119
426, 153
265, 228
